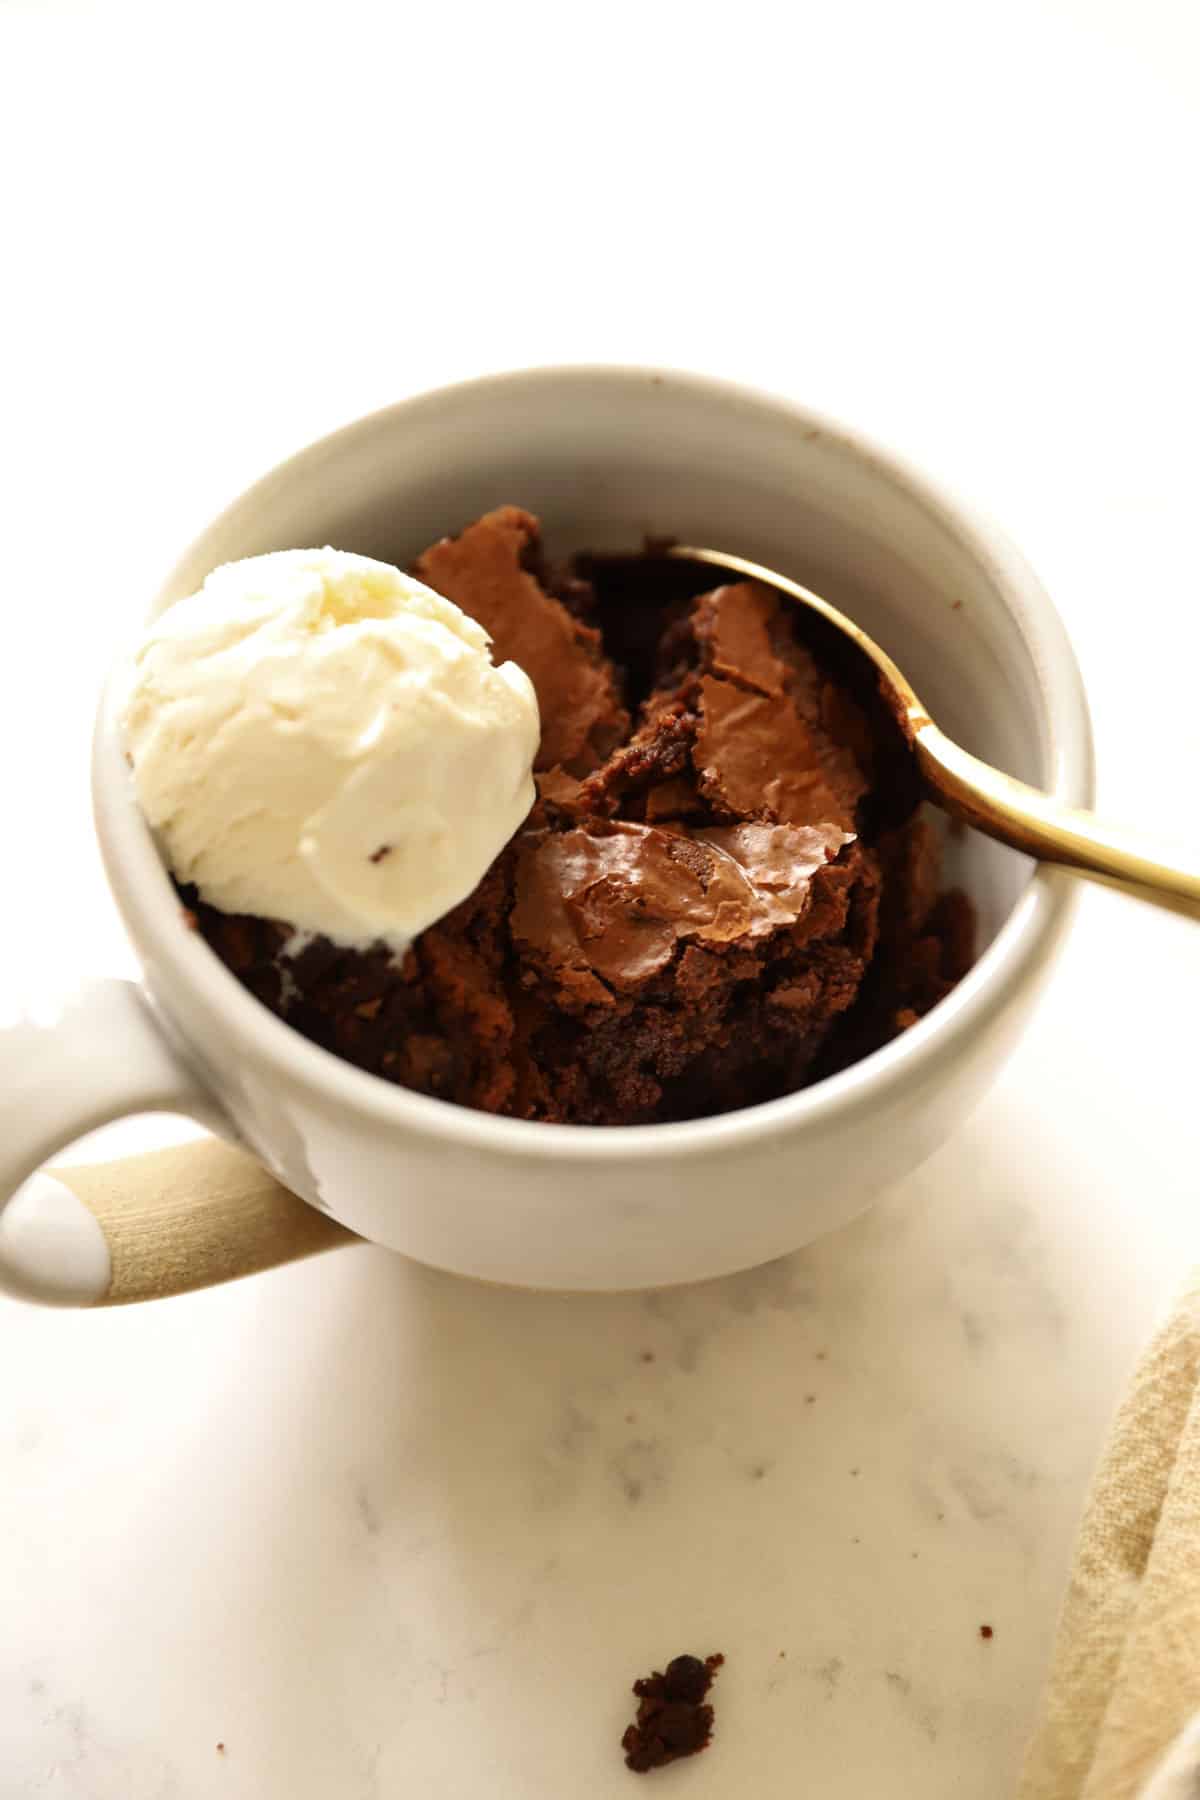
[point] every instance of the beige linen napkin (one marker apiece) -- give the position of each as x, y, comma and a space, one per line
1126, 1675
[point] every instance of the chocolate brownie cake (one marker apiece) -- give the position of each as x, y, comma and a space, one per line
723, 892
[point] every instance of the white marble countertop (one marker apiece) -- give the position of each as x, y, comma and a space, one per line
378, 1532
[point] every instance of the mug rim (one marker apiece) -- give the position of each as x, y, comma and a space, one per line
146, 897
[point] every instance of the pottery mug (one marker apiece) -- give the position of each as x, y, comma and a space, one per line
603, 455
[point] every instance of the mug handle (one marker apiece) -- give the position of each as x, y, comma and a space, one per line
141, 1227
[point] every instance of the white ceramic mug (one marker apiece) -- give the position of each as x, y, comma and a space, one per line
603, 455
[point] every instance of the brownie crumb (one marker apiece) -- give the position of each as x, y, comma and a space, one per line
673, 1716
985, 1631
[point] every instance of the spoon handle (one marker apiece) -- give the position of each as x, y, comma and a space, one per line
1026, 819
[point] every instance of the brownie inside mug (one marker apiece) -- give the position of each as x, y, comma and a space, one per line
724, 892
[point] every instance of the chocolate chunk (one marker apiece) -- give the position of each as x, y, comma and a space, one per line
620, 899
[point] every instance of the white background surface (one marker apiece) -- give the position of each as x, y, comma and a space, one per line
381, 1533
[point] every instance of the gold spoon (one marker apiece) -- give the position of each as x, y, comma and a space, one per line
997, 804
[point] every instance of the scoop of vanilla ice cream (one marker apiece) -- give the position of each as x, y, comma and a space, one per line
316, 737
